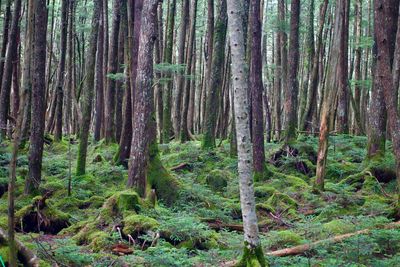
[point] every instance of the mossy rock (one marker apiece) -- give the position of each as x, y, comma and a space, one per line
52, 186
218, 180
285, 238
138, 224
128, 200
283, 181
337, 227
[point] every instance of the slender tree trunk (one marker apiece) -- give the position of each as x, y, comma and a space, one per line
215, 82
11, 57
61, 70
167, 95
184, 130
112, 69
88, 93
99, 80
38, 97
6, 27
291, 102
181, 60
253, 255
330, 95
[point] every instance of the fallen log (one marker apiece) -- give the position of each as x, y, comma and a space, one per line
300, 249
182, 166
29, 258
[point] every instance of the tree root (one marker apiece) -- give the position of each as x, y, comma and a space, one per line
29, 258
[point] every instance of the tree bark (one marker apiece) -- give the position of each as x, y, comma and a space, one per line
253, 255
32, 182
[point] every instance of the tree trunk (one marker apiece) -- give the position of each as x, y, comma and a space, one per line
383, 75
111, 70
331, 92
293, 85
11, 56
6, 26
61, 70
253, 254
215, 82
167, 95
32, 182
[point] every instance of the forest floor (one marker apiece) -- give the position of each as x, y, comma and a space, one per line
203, 226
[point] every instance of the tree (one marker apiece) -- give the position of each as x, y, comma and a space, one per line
256, 87
11, 56
293, 85
215, 82
111, 70
253, 254
88, 92
167, 95
38, 98
330, 95
61, 70
383, 75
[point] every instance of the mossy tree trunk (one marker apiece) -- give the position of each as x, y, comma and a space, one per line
215, 82
253, 255
88, 92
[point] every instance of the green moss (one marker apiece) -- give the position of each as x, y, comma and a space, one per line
4, 252
138, 223
337, 227
252, 257
158, 178
217, 180
264, 191
127, 201
265, 175
99, 240
281, 201
286, 238
3, 222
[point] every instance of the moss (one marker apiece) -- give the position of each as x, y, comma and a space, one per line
283, 181
264, 191
265, 175
127, 201
138, 223
217, 180
99, 240
252, 257
286, 238
281, 201
4, 252
158, 178
337, 227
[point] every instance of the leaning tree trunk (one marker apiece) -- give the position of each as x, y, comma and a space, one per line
88, 93
253, 254
38, 98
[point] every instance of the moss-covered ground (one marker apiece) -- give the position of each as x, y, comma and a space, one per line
103, 224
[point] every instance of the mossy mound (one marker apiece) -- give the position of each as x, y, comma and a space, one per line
284, 239
337, 227
134, 224
264, 191
278, 202
4, 251
218, 180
